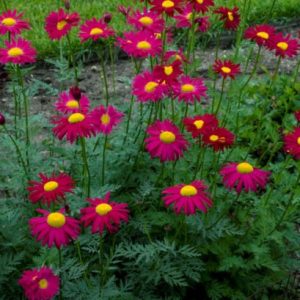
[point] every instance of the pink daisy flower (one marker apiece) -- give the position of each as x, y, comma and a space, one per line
231, 17
74, 126
187, 198
172, 55
203, 23
68, 104
218, 138
17, 51
226, 68
11, 22
103, 214
292, 143
39, 284
198, 125
284, 45
166, 6
54, 228
243, 176
95, 29
105, 119
183, 20
50, 189
261, 34
146, 20
59, 23
140, 44
168, 73
189, 89
202, 5
165, 141
147, 87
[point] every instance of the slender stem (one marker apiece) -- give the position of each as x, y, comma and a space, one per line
173, 110
200, 153
296, 73
112, 61
103, 160
269, 15
129, 117
85, 170
60, 271
72, 59
191, 37
101, 259
19, 153
104, 77
276, 71
4, 5
221, 96
164, 39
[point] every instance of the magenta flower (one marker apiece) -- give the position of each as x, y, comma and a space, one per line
11, 22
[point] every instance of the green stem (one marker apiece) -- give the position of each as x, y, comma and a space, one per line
191, 37
85, 170
276, 72
112, 61
296, 73
221, 96
60, 272
72, 59
104, 77
103, 160
269, 15
129, 117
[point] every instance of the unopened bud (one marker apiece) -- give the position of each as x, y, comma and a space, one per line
75, 92
2, 119
67, 4
107, 18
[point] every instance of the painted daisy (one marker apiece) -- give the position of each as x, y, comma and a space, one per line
292, 143
284, 46
168, 73
202, 5
261, 34
11, 22
226, 68
203, 23
218, 138
243, 176
187, 198
231, 17
166, 6
184, 19
103, 214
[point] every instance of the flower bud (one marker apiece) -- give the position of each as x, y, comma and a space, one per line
124, 10
107, 18
75, 92
67, 4
2, 119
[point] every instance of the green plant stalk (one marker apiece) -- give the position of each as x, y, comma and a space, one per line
296, 73
269, 15
103, 160
18, 151
85, 170
275, 72
200, 154
164, 40
72, 59
4, 5
112, 64
60, 271
221, 96
101, 259
16, 109
26, 109
216, 57
129, 118
103, 71
191, 39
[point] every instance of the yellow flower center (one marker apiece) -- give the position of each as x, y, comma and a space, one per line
157, 35
72, 104
105, 119
151, 86
96, 31
226, 70
103, 209
187, 88
263, 35
76, 118
244, 168
61, 25
199, 124
50, 186
230, 16
283, 45
188, 16
213, 138
146, 21
200, 1
298, 140
168, 70
15, 51
188, 190
167, 137
144, 45
56, 220
43, 284
9, 22
168, 4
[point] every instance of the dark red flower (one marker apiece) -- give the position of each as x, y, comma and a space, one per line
218, 138
226, 68
231, 17
261, 34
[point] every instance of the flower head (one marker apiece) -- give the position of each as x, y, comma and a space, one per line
168, 73
166, 6
202, 5
104, 214
261, 34
165, 141
171, 56
189, 89
54, 228
203, 23
18, 51
198, 125
105, 119
94, 30
284, 46
146, 20
73, 126
183, 20
187, 198
226, 68
39, 284
67, 103
231, 17
292, 143
50, 189
243, 176
59, 23
11, 22
218, 138
140, 44
147, 87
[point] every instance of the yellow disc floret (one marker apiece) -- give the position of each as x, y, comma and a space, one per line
50, 186
298, 140
15, 51
262, 34
105, 119
168, 70
9, 22
230, 16
188, 190
61, 25
168, 4
187, 88
76, 118
43, 284
56, 220
167, 137
146, 21
214, 138
72, 104
283, 45
226, 70
199, 124
143, 45
244, 168
103, 209
151, 86
96, 31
